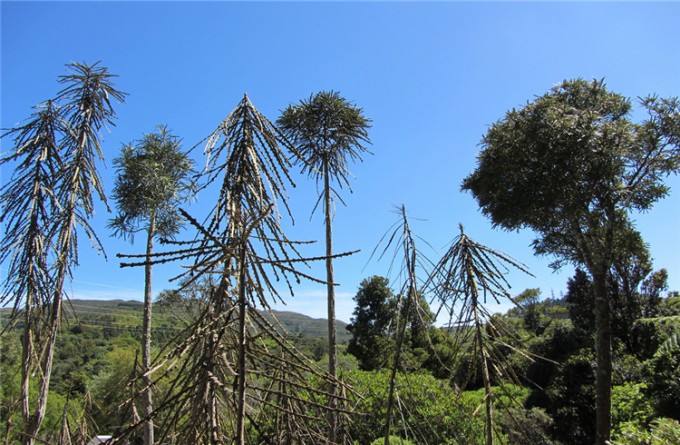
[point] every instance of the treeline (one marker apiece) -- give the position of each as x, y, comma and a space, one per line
548, 344
571, 165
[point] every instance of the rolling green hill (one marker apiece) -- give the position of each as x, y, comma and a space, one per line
117, 315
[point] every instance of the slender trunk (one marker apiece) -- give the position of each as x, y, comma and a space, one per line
209, 405
47, 348
27, 353
603, 352
147, 396
29, 350
401, 333
212, 415
330, 283
488, 394
488, 399
35, 419
242, 308
598, 260
8, 429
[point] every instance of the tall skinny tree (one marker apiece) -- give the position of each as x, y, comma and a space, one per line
463, 280
572, 165
50, 197
154, 178
328, 131
244, 251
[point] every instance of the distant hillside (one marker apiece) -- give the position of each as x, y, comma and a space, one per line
295, 323
129, 314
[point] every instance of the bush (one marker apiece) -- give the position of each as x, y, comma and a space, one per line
662, 432
430, 411
394, 440
630, 406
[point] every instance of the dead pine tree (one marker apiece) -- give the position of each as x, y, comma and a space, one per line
410, 262
243, 245
410, 294
47, 201
466, 276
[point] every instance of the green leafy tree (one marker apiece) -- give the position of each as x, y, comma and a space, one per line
663, 368
630, 406
531, 316
571, 165
651, 290
579, 302
327, 131
153, 180
48, 198
562, 379
371, 321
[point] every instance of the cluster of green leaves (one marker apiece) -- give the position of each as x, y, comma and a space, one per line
645, 375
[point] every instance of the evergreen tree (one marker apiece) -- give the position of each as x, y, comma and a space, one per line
153, 179
327, 131
571, 165
371, 321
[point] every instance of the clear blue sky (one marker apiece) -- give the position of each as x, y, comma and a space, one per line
432, 76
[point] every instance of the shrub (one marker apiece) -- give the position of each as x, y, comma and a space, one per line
661, 432
630, 406
394, 440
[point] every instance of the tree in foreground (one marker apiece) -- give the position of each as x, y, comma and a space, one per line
235, 376
327, 131
153, 180
50, 196
572, 165
464, 279
408, 303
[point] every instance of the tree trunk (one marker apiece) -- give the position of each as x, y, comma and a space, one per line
488, 394
488, 398
27, 353
242, 308
401, 333
147, 395
330, 280
603, 352
34, 420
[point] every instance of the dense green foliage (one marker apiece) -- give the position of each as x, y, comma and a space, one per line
371, 322
153, 179
552, 404
572, 165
